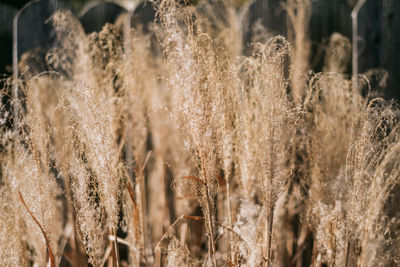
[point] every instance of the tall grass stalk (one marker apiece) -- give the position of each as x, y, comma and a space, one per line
173, 147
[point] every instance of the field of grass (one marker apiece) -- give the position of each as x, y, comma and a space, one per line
175, 148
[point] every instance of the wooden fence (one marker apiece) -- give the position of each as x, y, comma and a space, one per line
377, 40
6, 18
378, 33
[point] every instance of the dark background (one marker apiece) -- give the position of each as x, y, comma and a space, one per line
379, 30
75, 4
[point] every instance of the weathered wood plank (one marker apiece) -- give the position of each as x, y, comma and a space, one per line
369, 24
390, 43
329, 16
7, 14
378, 26
378, 32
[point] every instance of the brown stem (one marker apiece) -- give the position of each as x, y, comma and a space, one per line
106, 255
333, 243
136, 212
347, 251
76, 256
269, 240
157, 260
209, 214
210, 225
52, 263
157, 248
228, 205
140, 193
116, 252
314, 254
233, 232
194, 178
143, 205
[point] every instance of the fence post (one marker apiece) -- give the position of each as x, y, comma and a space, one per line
32, 30
354, 20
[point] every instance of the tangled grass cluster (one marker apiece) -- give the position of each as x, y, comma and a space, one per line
186, 152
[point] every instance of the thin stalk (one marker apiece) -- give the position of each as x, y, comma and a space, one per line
165, 235
183, 232
228, 205
269, 237
67, 234
143, 201
333, 243
272, 200
76, 255
157, 259
111, 257
136, 223
227, 228
314, 254
140, 189
120, 241
141, 210
51, 257
210, 225
211, 247
347, 251
106, 255
135, 212
116, 248
316, 259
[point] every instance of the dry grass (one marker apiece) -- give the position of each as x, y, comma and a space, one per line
186, 152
